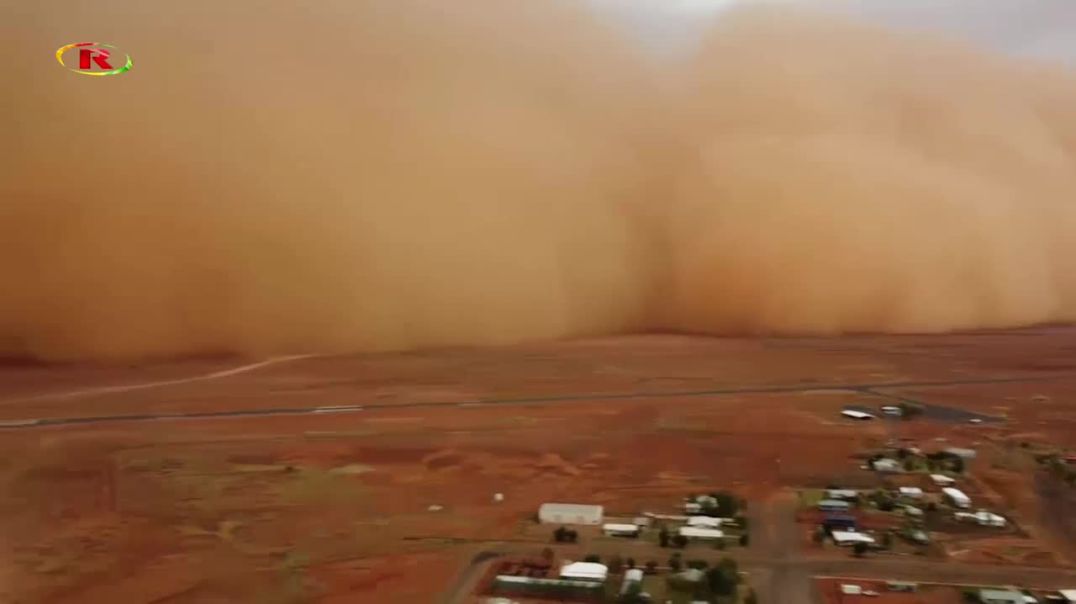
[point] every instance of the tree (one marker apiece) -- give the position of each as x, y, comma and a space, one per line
957, 464
860, 549
547, 554
884, 501
616, 563
887, 540
679, 541
663, 537
573, 536
560, 535
727, 503
630, 562
592, 558
819, 535
745, 540
633, 595
723, 578
699, 564
909, 410
909, 464
676, 562
651, 567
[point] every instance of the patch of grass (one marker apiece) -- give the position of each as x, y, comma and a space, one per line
809, 498
316, 486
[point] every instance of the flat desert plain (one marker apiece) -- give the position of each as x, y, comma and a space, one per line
349, 478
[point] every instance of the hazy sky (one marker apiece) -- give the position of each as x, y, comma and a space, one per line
1043, 29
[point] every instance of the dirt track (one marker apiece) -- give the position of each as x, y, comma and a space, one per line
868, 389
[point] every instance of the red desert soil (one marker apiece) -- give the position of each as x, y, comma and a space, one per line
830, 591
335, 507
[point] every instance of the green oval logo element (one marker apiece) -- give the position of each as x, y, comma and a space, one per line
94, 59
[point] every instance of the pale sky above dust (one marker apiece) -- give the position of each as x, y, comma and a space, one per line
1041, 29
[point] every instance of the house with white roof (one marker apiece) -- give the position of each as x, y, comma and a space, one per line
843, 538
957, 497
694, 532
620, 530
584, 571
570, 513
1001, 596
911, 492
705, 521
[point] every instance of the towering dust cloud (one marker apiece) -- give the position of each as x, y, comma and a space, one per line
837, 178
331, 176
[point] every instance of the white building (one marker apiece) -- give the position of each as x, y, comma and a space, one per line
1001, 596
857, 415
912, 492
1069, 595
841, 493
942, 480
982, 518
631, 577
834, 505
843, 538
570, 513
961, 452
585, 571
886, 465
957, 497
620, 530
705, 521
694, 532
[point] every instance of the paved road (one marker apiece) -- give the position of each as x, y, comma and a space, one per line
29, 423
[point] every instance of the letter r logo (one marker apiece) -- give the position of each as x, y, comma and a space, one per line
98, 55
94, 59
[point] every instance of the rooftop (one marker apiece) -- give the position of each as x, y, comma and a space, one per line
572, 508
1001, 595
584, 570
852, 413
706, 533
852, 536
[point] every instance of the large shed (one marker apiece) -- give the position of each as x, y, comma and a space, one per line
851, 538
570, 513
1001, 596
705, 521
584, 571
957, 497
695, 532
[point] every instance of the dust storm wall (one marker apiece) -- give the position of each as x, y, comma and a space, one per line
331, 176
836, 177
